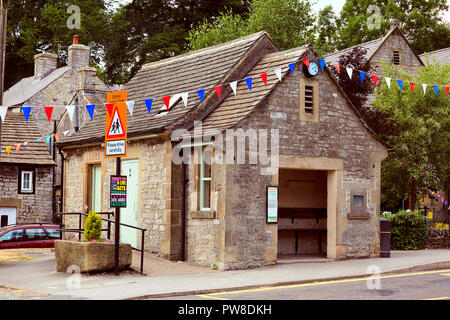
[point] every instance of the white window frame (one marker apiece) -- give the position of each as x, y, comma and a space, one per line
203, 181
22, 181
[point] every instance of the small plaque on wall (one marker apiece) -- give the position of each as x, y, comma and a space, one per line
272, 204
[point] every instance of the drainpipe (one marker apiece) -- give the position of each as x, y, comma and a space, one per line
53, 173
61, 185
183, 212
77, 120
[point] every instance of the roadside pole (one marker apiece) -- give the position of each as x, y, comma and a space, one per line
3, 27
116, 147
117, 229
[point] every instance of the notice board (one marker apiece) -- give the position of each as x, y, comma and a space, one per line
118, 192
272, 204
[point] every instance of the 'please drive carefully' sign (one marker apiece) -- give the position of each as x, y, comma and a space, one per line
118, 192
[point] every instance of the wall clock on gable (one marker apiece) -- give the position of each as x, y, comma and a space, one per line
312, 71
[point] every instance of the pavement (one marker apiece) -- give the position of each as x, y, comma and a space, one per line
38, 279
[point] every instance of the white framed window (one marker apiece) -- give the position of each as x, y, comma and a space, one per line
205, 180
26, 181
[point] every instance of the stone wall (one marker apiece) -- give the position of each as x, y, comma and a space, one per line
154, 187
439, 239
247, 240
35, 207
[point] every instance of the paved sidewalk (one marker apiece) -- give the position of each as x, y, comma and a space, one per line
39, 276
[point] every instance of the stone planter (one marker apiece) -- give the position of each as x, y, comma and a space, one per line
90, 256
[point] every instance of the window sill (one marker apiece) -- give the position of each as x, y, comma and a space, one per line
203, 214
355, 215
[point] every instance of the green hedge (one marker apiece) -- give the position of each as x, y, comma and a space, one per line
408, 230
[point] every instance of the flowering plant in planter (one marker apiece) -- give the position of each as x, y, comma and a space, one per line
93, 227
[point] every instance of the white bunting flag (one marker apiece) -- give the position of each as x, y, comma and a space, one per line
184, 96
233, 86
388, 81
25, 143
130, 106
70, 111
66, 132
349, 72
278, 73
3, 112
424, 86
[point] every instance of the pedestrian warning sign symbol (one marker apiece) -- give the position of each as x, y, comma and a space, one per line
116, 127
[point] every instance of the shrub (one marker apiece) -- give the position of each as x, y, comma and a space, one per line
408, 230
92, 227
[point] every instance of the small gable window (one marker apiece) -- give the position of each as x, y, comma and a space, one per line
396, 57
309, 100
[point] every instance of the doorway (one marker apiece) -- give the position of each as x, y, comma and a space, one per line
129, 215
96, 188
302, 226
8, 216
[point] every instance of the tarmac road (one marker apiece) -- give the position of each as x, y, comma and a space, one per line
427, 285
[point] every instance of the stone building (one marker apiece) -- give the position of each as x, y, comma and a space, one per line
294, 130
392, 49
54, 86
25, 176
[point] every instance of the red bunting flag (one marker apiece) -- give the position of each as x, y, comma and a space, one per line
446, 90
306, 61
337, 68
375, 79
48, 112
264, 78
218, 91
109, 108
57, 135
411, 84
166, 100
17, 147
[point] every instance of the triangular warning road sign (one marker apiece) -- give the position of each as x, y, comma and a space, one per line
116, 129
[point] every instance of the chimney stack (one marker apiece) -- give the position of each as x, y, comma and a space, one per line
395, 23
78, 55
44, 63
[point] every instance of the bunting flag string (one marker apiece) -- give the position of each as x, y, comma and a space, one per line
26, 110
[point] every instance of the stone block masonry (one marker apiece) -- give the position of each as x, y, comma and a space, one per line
36, 207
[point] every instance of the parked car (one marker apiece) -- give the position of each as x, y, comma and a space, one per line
29, 236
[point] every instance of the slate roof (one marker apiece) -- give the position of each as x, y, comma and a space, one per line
237, 107
441, 56
28, 87
200, 69
16, 130
370, 46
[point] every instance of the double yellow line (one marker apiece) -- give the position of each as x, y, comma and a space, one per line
319, 283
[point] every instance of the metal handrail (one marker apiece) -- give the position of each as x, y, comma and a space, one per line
80, 230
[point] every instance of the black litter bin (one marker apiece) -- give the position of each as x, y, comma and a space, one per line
385, 238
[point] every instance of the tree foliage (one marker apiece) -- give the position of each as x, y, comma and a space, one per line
147, 31
326, 31
288, 22
41, 25
418, 141
420, 20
